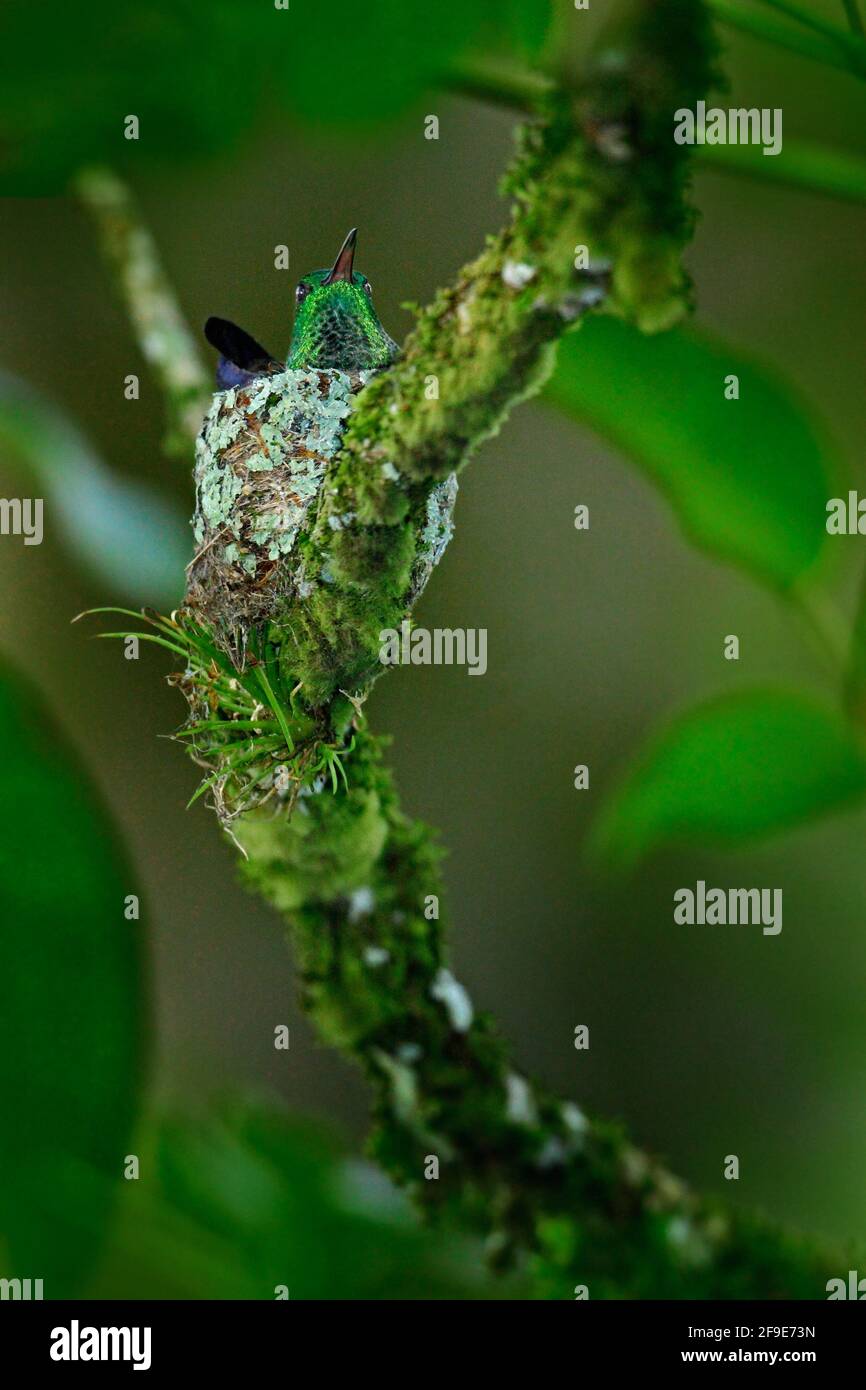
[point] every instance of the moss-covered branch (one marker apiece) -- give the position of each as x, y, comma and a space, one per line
300, 783
161, 330
599, 218
356, 879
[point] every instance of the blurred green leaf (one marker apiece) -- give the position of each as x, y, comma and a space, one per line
732, 770
374, 70
238, 1200
748, 479
126, 533
199, 77
70, 74
70, 1003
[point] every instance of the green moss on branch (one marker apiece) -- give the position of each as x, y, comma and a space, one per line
356, 879
161, 330
598, 169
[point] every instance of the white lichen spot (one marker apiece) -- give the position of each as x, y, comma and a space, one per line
404, 1086
316, 787
361, 904
689, 1243
389, 472
374, 956
590, 296
574, 1119
520, 1105
635, 1167
449, 992
553, 1154
518, 274
410, 1052
464, 311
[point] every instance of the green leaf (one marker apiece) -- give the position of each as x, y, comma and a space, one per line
748, 479
239, 1199
177, 65
376, 70
732, 770
126, 533
70, 1004
214, 72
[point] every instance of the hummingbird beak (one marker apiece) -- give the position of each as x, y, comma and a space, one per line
342, 267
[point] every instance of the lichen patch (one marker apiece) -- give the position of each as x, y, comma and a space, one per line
261, 458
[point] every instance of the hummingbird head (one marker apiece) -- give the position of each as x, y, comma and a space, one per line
336, 324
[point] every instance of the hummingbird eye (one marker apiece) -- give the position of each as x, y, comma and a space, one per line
368, 288
301, 292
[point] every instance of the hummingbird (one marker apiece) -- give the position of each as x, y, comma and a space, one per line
265, 448
335, 326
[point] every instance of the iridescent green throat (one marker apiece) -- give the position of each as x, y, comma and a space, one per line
337, 326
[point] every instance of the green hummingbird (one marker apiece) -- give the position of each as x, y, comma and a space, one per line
264, 453
335, 326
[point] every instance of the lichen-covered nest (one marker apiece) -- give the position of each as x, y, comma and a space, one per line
260, 461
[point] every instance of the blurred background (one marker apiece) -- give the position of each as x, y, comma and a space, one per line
704, 1041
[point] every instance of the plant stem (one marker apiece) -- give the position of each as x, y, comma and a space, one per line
846, 41
517, 89
824, 44
827, 625
811, 167
853, 15
855, 675
160, 327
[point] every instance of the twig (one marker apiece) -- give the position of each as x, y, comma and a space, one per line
813, 21
821, 43
517, 89
809, 166
160, 327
